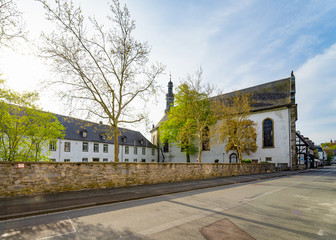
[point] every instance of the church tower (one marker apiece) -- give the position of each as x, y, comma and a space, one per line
169, 96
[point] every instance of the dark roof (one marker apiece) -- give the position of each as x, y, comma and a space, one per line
266, 96
74, 129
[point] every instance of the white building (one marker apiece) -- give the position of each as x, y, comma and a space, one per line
92, 142
274, 112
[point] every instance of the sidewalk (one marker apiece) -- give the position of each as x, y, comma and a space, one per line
17, 207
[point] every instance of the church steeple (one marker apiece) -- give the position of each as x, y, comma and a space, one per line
169, 96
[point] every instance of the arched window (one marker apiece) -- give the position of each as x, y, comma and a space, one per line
233, 158
268, 133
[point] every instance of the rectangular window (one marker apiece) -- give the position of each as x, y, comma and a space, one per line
126, 160
85, 159
268, 159
105, 148
52, 145
143, 151
206, 145
85, 146
126, 149
135, 150
67, 147
166, 147
153, 151
95, 159
153, 160
105, 160
206, 140
66, 160
52, 160
143, 160
96, 147
135, 160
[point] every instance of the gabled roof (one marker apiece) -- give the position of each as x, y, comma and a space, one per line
74, 129
266, 96
309, 143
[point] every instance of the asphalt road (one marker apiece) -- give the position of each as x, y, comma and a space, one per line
301, 206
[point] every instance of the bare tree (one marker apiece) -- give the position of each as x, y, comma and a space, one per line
105, 70
11, 25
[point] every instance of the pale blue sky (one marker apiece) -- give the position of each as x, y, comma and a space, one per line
238, 44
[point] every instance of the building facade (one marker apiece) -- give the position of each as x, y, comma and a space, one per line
86, 141
275, 113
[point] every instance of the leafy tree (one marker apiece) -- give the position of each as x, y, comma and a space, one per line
329, 148
25, 131
189, 120
106, 71
234, 126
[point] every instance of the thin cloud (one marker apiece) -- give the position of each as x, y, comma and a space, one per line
316, 95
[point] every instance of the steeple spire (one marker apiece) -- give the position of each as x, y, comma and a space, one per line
169, 95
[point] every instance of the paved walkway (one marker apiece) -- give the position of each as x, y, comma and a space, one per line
17, 207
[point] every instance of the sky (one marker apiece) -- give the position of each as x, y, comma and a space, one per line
238, 44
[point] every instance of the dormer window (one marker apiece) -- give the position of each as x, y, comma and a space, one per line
84, 133
124, 139
141, 141
103, 136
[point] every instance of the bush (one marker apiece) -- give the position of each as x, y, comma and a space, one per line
246, 161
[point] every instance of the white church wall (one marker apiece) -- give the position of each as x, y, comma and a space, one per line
280, 153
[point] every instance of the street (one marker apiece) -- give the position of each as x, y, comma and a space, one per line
301, 206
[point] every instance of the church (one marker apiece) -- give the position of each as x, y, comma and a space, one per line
275, 115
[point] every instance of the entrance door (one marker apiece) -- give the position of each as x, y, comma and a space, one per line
233, 158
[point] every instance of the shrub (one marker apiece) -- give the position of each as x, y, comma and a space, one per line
246, 161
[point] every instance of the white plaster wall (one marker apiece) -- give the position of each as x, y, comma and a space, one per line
148, 156
76, 153
279, 154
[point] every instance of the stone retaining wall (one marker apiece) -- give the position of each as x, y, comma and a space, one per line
43, 177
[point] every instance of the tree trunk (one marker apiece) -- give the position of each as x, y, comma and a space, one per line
239, 156
200, 152
116, 144
188, 158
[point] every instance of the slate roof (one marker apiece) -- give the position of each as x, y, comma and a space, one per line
74, 129
266, 96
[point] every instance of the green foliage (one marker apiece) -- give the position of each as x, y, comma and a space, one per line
329, 148
25, 131
246, 161
179, 129
329, 157
188, 121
